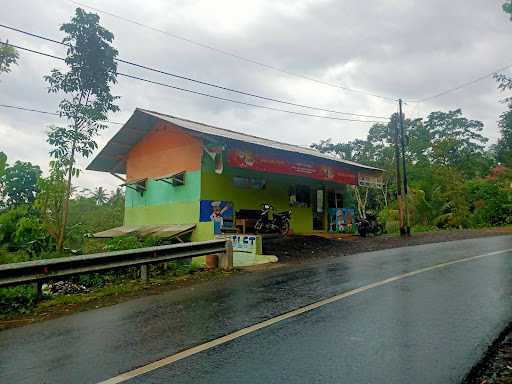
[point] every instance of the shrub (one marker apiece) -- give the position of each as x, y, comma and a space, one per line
19, 230
17, 300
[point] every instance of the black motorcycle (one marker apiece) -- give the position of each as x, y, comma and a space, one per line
273, 222
369, 225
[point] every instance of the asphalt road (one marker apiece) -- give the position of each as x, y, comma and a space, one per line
431, 327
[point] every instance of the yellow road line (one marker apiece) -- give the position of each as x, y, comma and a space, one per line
288, 315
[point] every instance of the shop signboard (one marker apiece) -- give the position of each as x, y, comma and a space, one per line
246, 159
246, 243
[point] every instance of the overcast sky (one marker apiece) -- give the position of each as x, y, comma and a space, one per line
397, 48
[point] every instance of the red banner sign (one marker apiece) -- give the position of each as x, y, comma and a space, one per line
250, 160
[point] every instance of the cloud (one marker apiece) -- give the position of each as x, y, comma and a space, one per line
397, 48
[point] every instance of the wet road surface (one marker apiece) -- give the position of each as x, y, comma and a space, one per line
428, 328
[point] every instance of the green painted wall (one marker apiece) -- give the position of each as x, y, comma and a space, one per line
159, 192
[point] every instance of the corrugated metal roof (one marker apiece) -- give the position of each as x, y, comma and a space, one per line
164, 231
112, 158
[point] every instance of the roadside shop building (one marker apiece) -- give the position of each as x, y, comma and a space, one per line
196, 177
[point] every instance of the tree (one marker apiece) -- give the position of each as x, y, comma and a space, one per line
87, 217
92, 71
504, 145
20, 183
49, 202
507, 7
457, 142
3, 164
116, 198
100, 196
8, 57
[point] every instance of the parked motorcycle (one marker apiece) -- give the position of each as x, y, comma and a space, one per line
273, 222
369, 225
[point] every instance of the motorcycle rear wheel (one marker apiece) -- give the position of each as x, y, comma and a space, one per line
285, 228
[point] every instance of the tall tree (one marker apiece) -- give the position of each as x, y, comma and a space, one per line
507, 7
456, 141
92, 70
504, 145
20, 183
3, 164
8, 57
100, 196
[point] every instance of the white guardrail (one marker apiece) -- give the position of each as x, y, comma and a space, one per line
39, 271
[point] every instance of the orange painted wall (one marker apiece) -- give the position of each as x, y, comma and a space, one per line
165, 150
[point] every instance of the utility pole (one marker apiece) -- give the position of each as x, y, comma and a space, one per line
399, 183
404, 167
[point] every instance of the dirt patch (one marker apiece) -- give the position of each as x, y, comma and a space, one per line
496, 366
301, 248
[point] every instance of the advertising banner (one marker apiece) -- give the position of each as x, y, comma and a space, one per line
265, 163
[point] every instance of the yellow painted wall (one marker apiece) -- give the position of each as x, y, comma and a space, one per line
203, 232
302, 220
173, 213
221, 187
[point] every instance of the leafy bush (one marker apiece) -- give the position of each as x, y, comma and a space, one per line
8, 222
13, 257
131, 242
491, 202
20, 230
17, 300
388, 217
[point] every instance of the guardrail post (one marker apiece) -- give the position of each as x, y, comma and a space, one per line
226, 259
144, 273
38, 287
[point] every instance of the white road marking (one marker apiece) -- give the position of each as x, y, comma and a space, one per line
267, 323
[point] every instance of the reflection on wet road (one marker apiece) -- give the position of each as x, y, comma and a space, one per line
428, 328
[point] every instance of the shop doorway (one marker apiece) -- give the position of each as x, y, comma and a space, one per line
319, 210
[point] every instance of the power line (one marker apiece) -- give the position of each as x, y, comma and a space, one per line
463, 85
43, 112
199, 81
204, 94
231, 54
244, 103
